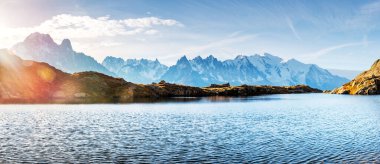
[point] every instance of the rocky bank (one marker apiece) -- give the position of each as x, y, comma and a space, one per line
366, 83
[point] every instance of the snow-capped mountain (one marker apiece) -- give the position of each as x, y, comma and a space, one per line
263, 69
41, 47
138, 71
257, 69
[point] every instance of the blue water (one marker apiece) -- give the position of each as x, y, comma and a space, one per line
276, 128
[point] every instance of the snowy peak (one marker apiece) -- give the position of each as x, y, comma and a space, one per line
295, 64
265, 69
293, 61
135, 70
183, 59
156, 61
273, 58
66, 44
113, 64
183, 62
211, 58
42, 48
240, 57
198, 58
39, 38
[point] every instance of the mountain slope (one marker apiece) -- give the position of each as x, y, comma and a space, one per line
137, 71
366, 83
253, 70
26, 81
263, 69
349, 74
41, 47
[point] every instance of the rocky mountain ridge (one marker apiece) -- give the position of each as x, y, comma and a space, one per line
263, 69
366, 83
42, 48
26, 81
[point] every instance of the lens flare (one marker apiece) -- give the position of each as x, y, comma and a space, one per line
46, 74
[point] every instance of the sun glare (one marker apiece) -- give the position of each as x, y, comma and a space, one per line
5, 33
2, 23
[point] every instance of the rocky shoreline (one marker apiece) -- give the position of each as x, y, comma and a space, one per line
23, 81
366, 83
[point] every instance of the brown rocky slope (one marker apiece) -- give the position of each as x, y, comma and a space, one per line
23, 81
366, 83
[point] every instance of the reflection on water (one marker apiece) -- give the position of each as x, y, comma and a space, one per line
276, 128
142, 100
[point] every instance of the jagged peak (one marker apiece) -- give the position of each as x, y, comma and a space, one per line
198, 58
376, 65
38, 38
210, 57
292, 60
272, 57
241, 57
113, 58
183, 58
156, 61
268, 54
144, 60
183, 61
66, 43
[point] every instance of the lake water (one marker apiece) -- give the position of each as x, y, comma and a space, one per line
274, 128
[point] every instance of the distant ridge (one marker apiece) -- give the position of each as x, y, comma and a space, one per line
138, 71
263, 69
41, 47
27, 81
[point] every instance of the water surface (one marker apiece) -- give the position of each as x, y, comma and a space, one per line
274, 128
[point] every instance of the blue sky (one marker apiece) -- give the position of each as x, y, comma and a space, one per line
331, 33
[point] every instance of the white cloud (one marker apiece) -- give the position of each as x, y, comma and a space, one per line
110, 44
151, 32
79, 27
370, 8
327, 50
291, 26
222, 47
149, 22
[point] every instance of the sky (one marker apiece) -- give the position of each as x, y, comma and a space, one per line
334, 34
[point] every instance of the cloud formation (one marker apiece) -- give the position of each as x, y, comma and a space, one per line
291, 26
327, 50
70, 26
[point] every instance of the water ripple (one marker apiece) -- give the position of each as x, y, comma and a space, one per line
293, 129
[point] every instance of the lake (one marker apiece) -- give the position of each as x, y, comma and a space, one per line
274, 128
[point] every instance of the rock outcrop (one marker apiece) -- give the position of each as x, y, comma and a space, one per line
25, 81
366, 83
252, 90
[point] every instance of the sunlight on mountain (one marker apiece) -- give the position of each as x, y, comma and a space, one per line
46, 74
23, 78
8, 60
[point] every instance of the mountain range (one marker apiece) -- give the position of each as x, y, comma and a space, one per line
138, 71
27, 81
265, 69
42, 48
